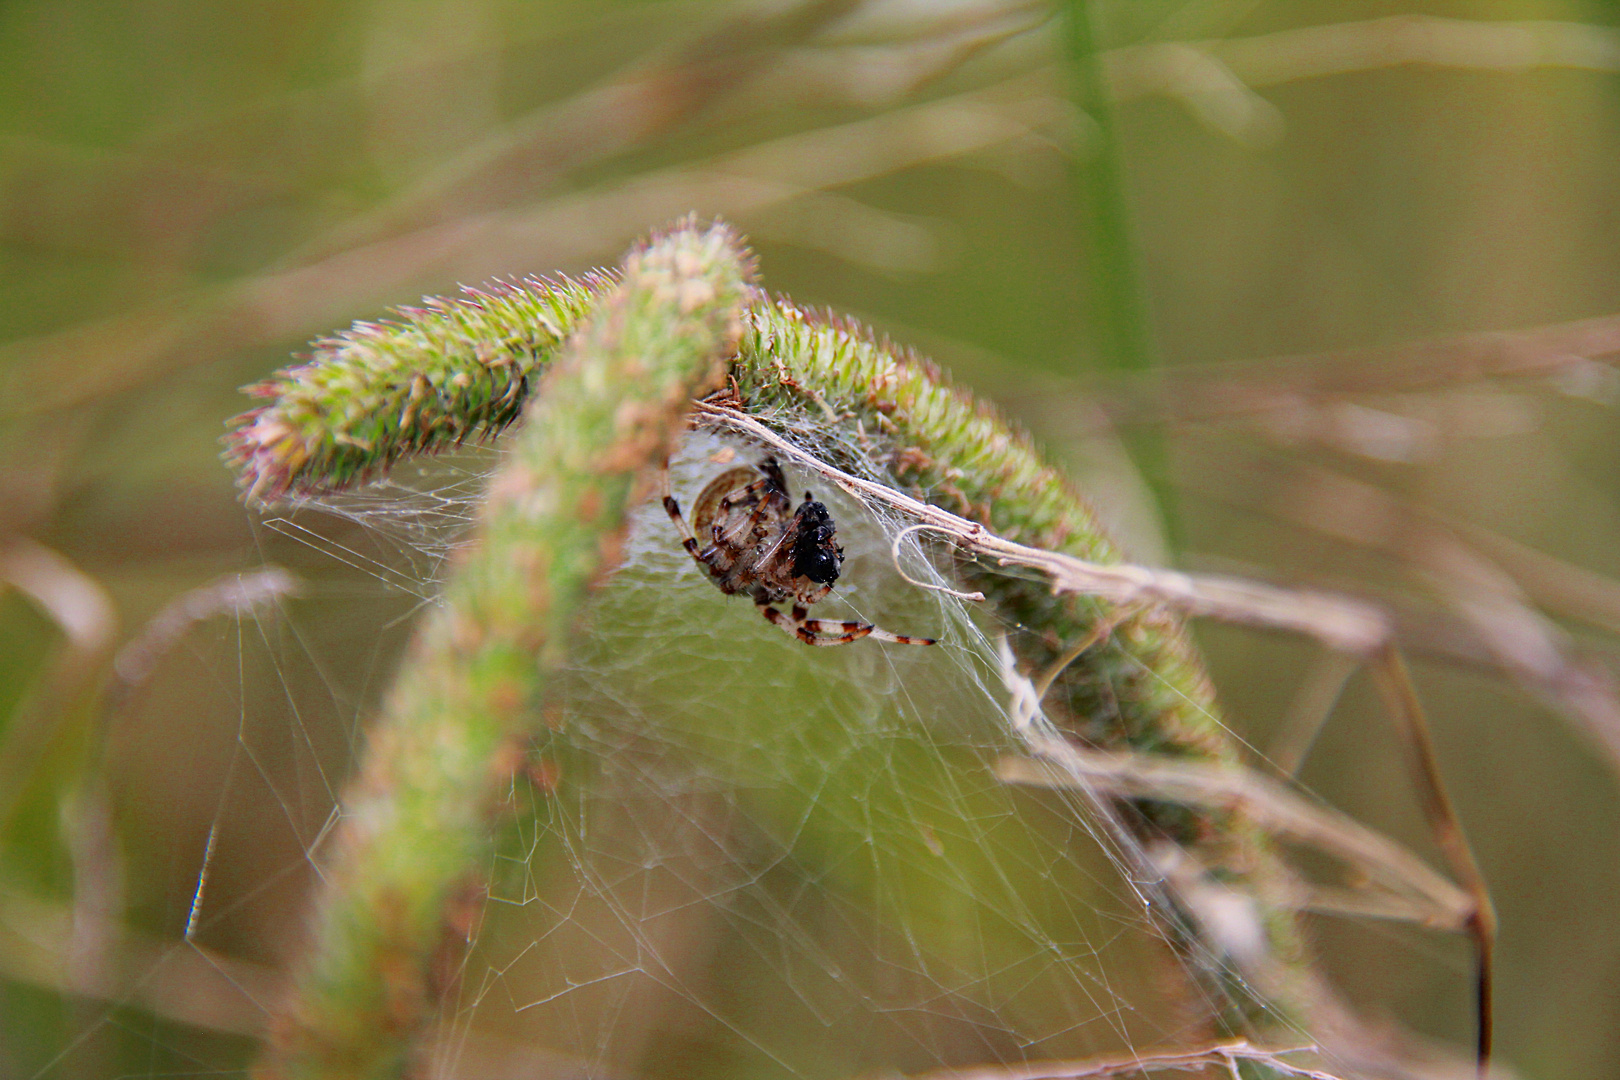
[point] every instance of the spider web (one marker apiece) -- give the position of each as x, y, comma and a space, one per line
730, 855
765, 859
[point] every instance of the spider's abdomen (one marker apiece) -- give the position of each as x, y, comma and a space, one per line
728, 501
815, 550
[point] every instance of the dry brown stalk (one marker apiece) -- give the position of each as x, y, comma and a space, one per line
1401, 699
60, 370
80, 607
1552, 582
1318, 692
648, 98
380, 262
1416, 892
237, 595
1502, 626
1224, 1055
1309, 382
179, 981
1340, 622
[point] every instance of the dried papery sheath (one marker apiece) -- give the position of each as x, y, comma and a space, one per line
429, 377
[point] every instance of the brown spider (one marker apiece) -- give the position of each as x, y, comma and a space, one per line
760, 545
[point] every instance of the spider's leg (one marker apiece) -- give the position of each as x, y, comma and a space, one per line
825, 632
673, 509
750, 495
756, 497
830, 626
773, 473
795, 624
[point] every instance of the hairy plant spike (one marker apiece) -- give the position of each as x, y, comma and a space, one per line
432, 376
416, 822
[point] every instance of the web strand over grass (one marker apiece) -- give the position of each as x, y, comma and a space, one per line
891, 431
1350, 626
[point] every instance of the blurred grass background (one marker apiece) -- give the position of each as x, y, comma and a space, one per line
189, 191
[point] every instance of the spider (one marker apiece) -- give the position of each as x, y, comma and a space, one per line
760, 545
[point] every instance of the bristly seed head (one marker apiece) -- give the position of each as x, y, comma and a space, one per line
435, 376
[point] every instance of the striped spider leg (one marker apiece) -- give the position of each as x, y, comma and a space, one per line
759, 545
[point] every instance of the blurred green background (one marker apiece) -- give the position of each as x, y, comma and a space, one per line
189, 191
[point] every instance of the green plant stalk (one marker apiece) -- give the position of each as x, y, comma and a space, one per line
419, 818
1119, 316
1143, 689
1098, 174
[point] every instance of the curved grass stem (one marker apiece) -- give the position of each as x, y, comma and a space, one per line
417, 820
607, 403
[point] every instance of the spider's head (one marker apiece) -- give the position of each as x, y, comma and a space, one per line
816, 554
